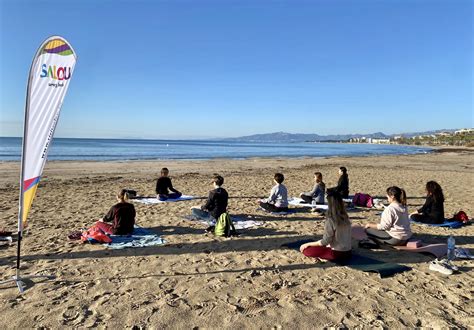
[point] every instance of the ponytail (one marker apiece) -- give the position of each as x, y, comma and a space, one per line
398, 194
403, 197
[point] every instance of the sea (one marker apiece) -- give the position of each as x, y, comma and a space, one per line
79, 149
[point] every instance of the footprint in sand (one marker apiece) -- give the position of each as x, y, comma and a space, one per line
74, 315
205, 308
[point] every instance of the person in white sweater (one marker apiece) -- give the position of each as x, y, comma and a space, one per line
394, 226
278, 199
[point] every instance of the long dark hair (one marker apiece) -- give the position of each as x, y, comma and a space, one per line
336, 209
398, 194
434, 189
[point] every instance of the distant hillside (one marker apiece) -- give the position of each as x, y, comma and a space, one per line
290, 137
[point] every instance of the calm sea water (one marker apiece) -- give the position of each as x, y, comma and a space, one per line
121, 149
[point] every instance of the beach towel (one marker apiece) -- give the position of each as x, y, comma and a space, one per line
451, 224
154, 200
239, 222
362, 263
141, 237
295, 201
438, 250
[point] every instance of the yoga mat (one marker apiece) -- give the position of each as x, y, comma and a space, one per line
154, 200
446, 223
362, 263
276, 213
366, 264
141, 237
295, 201
239, 223
438, 250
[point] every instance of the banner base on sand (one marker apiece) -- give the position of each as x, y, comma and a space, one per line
20, 280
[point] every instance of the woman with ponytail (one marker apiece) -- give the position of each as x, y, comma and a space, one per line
121, 216
394, 227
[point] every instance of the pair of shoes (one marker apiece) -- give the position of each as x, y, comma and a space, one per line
440, 266
462, 254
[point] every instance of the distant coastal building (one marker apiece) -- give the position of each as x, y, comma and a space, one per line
380, 141
464, 131
443, 134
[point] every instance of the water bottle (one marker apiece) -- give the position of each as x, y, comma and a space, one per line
451, 248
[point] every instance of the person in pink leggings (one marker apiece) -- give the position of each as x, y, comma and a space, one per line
336, 244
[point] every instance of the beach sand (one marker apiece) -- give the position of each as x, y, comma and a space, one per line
200, 281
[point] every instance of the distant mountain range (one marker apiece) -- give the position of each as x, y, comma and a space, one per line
297, 137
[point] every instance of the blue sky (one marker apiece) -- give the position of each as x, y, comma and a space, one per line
193, 69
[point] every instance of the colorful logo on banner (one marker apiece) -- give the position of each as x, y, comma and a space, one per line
57, 47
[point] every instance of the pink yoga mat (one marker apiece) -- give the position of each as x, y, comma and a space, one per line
438, 250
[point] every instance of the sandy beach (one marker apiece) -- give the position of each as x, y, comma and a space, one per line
199, 281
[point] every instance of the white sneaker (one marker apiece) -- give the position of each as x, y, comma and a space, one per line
449, 264
439, 266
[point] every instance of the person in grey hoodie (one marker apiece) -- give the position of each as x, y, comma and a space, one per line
278, 199
394, 227
317, 194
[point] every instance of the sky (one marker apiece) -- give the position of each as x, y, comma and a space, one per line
200, 69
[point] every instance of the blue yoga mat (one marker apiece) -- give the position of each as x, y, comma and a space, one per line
362, 263
446, 223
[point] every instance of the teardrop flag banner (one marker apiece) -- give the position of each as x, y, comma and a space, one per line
49, 78
48, 81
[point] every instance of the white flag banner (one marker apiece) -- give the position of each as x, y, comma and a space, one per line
50, 75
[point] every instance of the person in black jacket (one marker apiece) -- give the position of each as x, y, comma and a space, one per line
121, 217
216, 203
163, 184
433, 209
343, 183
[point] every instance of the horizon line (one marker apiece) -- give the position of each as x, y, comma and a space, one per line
230, 137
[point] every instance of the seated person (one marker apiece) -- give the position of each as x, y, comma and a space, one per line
343, 183
394, 227
315, 196
216, 203
163, 184
121, 217
278, 199
336, 244
433, 209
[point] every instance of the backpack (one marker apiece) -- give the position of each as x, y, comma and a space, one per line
461, 216
224, 226
363, 200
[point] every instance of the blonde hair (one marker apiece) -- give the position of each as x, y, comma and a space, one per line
123, 195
